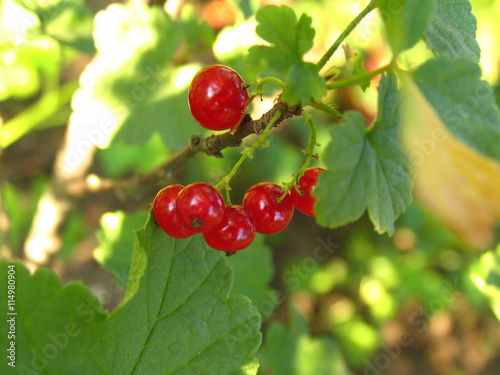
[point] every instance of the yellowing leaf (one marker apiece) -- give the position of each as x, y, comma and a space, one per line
461, 186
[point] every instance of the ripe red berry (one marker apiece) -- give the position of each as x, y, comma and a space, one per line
270, 216
307, 183
165, 213
200, 207
236, 231
216, 98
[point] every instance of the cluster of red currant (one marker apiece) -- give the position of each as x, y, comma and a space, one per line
199, 208
218, 100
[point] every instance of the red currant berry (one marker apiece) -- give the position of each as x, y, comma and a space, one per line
307, 183
200, 207
165, 213
236, 231
270, 216
216, 98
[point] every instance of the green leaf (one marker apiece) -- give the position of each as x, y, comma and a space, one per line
49, 320
304, 78
406, 21
453, 30
67, 21
120, 159
253, 270
116, 239
163, 110
130, 91
389, 103
290, 38
341, 191
291, 351
464, 102
177, 317
28, 65
198, 35
366, 170
485, 273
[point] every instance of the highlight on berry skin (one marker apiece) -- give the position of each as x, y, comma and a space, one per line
182, 211
200, 207
271, 214
236, 231
217, 98
165, 212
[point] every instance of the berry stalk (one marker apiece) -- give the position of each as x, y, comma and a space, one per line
328, 54
309, 151
260, 82
357, 79
320, 106
225, 181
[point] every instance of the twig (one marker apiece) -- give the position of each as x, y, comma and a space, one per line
211, 145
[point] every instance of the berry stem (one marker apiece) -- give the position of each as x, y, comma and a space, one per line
357, 79
309, 151
228, 195
312, 143
136, 186
327, 109
260, 82
248, 152
328, 54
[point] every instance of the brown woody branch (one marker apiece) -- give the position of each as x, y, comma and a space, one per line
211, 145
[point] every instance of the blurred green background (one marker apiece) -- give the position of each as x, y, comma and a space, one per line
340, 301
